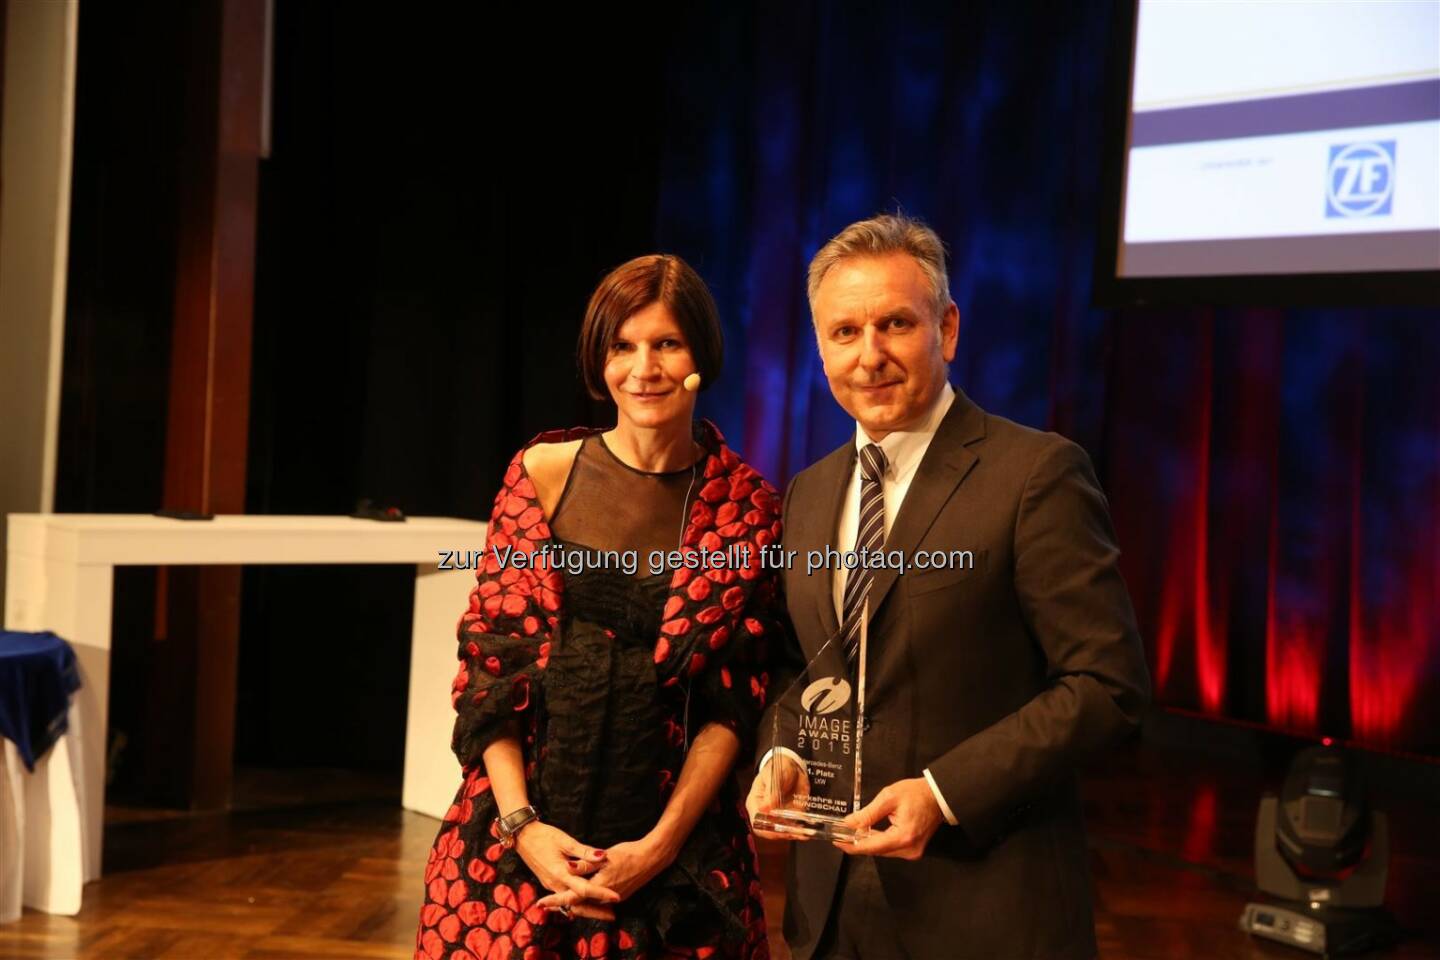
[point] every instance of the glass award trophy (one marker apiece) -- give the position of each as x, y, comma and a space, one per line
815, 747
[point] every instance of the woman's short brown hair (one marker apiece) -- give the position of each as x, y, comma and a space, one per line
635, 285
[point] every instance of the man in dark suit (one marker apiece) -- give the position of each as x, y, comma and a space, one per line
988, 682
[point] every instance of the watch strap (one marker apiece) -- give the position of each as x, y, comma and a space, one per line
509, 825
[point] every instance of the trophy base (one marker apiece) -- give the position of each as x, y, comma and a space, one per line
808, 825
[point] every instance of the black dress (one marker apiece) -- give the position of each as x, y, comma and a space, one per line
604, 713
609, 726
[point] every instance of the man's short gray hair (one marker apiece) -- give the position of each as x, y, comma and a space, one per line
877, 237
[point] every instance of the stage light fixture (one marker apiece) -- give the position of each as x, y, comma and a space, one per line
1323, 854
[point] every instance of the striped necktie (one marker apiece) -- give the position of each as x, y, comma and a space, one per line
869, 536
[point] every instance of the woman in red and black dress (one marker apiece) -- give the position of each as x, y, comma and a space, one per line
613, 701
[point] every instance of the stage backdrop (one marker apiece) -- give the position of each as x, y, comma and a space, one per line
1274, 475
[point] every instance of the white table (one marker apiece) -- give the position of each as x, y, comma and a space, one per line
60, 577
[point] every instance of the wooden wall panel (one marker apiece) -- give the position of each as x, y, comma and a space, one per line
209, 406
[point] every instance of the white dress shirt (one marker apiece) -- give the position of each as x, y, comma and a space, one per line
904, 449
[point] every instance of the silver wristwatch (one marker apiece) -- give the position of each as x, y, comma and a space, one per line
509, 826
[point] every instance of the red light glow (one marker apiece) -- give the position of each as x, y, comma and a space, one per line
1292, 658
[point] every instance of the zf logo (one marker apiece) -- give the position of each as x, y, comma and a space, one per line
1361, 179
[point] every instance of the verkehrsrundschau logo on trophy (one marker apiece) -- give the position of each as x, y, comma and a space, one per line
816, 745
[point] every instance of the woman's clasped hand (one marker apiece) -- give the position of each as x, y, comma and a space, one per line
561, 863
619, 871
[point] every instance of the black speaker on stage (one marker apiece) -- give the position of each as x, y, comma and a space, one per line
1323, 852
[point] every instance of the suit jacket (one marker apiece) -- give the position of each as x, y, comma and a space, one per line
1000, 678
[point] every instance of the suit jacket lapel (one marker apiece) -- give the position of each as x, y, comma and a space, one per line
947, 461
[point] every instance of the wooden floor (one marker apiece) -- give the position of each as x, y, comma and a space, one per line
1172, 837
1170, 834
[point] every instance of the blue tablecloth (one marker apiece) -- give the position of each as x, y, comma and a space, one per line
37, 679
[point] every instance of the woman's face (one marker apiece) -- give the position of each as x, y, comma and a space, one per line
646, 366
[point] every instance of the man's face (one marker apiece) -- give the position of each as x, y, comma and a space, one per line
883, 345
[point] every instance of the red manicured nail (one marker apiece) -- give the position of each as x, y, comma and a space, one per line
599, 854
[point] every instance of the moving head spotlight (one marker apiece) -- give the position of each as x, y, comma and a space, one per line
1321, 850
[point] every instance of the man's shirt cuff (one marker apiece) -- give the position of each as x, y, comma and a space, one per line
939, 798
759, 767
